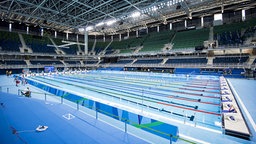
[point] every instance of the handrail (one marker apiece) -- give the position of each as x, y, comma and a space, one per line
79, 103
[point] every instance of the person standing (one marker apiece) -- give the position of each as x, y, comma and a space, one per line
17, 81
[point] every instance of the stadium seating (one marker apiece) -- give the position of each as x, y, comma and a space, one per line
186, 61
155, 41
71, 50
100, 46
190, 39
109, 52
233, 59
125, 45
148, 61
73, 62
90, 62
235, 33
41, 62
123, 61
9, 41
90, 45
228, 34
39, 44
14, 62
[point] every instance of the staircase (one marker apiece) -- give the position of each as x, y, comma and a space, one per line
81, 62
251, 60
27, 62
57, 50
104, 51
22, 41
133, 61
210, 61
138, 49
62, 61
164, 61
24, 46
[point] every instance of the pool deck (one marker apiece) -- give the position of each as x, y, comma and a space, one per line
21, 116
245, 93
185, 131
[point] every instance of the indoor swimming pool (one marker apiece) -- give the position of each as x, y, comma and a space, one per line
187, 99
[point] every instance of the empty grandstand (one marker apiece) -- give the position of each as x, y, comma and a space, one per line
144, 71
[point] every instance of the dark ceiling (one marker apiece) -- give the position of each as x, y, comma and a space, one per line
70, 15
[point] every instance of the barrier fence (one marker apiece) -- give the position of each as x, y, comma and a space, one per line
80, 105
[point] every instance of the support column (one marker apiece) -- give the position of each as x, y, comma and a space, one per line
243, 15
137, 33
10, 27
202, 21
67, 36
120, 37
55, 34
27, 29
170, 26
42, 32
157, 28
85, 42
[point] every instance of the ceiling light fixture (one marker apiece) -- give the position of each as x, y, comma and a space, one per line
99, 24
81, 29
89, 28
111, 22
136, 14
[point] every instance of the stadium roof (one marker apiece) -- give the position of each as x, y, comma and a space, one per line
110, 16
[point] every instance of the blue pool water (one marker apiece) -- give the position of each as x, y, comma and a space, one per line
193, 99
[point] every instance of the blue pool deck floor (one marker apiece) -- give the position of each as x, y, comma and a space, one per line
20, 116
245, 93
26, 114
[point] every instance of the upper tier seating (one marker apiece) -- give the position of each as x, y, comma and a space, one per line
235, 33
148, 61
109, 52
186, 61
90, 62
73, 62
125, 45
9, 41
254, 61
72, 50
124, 61
231, 59
100, 46
51, 62
191, 38
14, 62
155, 41
39, 44
90, 46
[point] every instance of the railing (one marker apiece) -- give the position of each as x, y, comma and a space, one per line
3, 88
179, 65
122, 123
